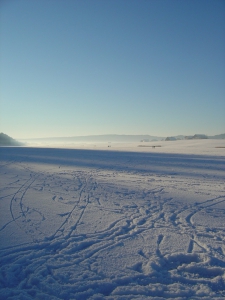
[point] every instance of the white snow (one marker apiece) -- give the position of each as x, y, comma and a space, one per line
142, 223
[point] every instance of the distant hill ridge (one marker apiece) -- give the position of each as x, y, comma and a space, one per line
6, 140
120, 138
100, 138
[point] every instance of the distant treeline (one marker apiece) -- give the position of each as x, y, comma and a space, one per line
195, 137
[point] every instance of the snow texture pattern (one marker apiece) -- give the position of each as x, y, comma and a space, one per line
83, 224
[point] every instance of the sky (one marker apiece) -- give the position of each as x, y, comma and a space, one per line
73, 68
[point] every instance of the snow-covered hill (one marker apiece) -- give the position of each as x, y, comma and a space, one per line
6, 140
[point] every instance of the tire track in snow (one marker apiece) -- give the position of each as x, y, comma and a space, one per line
69, 215
73, 228
17, 207
24, 186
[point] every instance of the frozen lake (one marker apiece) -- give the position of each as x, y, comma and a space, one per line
108, 224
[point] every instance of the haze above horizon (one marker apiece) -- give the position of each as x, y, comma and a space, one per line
76, 68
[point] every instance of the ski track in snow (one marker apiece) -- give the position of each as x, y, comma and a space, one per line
79, 224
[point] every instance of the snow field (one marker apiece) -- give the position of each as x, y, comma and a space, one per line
84, 224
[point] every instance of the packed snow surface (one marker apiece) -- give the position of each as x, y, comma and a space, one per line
107, 224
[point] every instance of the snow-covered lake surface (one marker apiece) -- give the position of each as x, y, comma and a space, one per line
143, 223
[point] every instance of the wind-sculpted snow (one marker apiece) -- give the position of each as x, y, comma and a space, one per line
79, 224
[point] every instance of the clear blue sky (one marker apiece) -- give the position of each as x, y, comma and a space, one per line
112, 66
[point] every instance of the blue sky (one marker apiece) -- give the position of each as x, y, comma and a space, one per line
112, 66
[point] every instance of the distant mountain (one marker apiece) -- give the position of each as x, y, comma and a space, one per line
6, 140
